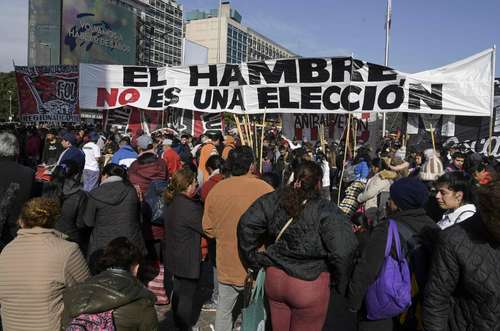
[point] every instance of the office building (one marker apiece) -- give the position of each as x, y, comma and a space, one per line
227, 39
147, 32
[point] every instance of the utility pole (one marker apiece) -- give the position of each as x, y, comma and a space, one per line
388, 18
10, 106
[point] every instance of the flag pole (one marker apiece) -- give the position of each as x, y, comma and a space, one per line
492, 113
388, 18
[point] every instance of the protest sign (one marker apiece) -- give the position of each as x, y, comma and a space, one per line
301, 85
48, 94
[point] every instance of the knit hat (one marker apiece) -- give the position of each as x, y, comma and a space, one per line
432, 168
69, 137
144, 141
93, 136
409, 193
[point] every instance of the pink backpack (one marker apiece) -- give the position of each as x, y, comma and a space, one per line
92, 322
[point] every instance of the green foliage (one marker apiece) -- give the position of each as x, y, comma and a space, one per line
8, 83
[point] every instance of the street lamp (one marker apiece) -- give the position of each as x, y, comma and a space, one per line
10, 105
50, 51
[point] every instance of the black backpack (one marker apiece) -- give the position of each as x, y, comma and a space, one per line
154, 202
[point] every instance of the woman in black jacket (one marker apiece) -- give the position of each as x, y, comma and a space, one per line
183, 229
318, 239
112, 210
463, 290
67, 189
416, 232
116, 289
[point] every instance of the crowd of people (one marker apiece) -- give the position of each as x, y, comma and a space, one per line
99, 227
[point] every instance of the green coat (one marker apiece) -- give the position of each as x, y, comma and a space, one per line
117, 290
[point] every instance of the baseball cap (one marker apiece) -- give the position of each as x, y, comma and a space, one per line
144, 141
167, 142
69, 137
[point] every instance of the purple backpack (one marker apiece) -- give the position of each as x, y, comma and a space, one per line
390, 294
92, 322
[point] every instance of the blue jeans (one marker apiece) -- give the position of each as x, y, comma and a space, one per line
90, 180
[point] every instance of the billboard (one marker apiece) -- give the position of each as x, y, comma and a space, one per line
48, 94
97, 31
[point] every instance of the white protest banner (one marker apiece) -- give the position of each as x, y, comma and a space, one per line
301, 85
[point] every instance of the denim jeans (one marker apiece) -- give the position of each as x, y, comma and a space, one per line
90, 180
228, 296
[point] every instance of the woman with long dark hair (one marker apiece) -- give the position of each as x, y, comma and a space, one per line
112, 210
315, 238
183, 229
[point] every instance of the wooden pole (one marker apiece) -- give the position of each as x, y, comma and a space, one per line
355, 137
433, 139
262, 140
249, 130
238, 126
345, 156
322, 137
245, 130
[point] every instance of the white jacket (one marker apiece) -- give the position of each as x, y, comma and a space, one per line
456, 216
377, 184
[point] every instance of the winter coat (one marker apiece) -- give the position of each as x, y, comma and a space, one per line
117, 290
13, 172
35, 268
462, 292
321, 237
225, 204
145, 169
183, 231
380, 182
51, 152
74, 154
112, 210
124, 156
72, 201
349, 203
371, 260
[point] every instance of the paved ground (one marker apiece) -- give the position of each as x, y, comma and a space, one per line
206, 321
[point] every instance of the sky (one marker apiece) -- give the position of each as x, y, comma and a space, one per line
425, 34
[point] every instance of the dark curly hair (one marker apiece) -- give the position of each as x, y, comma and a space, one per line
304, 187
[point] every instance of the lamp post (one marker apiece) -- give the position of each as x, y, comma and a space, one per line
50, 51
10, 105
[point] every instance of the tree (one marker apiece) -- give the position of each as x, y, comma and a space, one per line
8, 87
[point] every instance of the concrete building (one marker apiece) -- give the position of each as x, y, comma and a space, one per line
162, 33
150, 31
227, 39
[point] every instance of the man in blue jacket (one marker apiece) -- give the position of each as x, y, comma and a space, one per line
126, 154
70, 151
